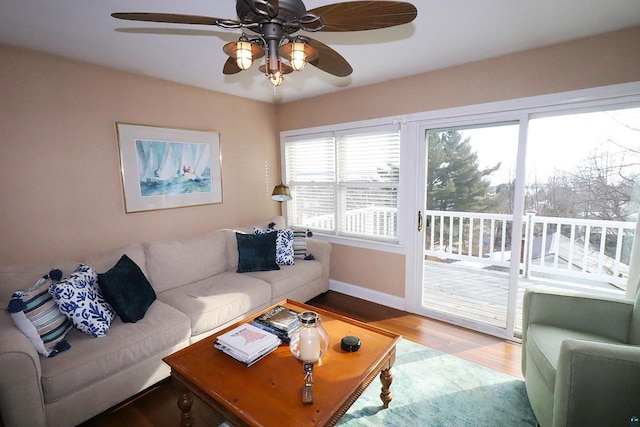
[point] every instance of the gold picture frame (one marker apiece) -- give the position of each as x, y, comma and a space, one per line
166, 168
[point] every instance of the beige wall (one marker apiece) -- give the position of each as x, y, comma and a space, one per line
61, 192
596, 61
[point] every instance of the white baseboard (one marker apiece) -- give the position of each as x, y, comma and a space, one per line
367, 294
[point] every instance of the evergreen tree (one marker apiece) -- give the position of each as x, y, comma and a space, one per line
455, 181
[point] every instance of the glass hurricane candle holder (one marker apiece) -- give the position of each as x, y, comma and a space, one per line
308, 342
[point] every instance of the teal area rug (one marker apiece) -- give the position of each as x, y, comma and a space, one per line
432, 389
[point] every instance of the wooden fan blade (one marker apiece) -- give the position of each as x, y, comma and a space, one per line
173, 18
329, 60
365, 15
231, 67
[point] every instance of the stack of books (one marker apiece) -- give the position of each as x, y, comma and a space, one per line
279, 321
247, 343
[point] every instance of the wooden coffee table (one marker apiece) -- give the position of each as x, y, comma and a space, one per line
269, 393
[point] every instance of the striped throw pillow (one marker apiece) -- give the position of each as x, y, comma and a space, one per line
37, 315
300, 243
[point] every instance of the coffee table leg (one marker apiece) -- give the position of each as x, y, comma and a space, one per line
184, 403
386, 379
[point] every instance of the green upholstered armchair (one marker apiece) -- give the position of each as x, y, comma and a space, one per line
581, 357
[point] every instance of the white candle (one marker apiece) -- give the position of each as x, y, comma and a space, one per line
309, 344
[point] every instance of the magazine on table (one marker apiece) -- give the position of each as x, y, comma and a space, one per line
248, 361
246, 342
283, 335
279, 318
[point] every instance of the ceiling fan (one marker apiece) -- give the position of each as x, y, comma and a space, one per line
273, 25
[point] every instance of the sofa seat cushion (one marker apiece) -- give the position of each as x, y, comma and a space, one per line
216, 300
127, 344
543, 345
289, 277
174, 263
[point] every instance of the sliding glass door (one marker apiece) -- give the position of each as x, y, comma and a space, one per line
547, 198
468, 222
581, 195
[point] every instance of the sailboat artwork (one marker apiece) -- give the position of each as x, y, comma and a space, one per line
173, 168
165, 168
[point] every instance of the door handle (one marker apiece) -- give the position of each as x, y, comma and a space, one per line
419, 221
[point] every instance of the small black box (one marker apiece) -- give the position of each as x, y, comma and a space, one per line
350, 343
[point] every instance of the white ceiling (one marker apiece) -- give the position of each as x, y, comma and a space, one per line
445, 33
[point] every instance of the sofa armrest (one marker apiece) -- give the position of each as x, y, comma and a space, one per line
605, 316
21, 399
596, 384
321, 251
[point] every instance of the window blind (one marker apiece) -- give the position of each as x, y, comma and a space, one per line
345, 183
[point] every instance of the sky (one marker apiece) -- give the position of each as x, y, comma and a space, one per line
559, 142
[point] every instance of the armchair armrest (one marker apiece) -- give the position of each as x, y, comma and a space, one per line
21, 399
596, 384
601, 315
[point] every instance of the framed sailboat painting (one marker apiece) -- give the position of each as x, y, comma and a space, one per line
165, 168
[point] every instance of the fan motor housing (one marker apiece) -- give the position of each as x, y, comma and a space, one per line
288, 11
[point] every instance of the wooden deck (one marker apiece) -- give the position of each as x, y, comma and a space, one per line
479, 294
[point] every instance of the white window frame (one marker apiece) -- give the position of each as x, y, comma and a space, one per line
394, 246
410, 138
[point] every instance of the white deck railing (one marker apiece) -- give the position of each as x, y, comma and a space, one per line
582, 249
551, 247
373, 222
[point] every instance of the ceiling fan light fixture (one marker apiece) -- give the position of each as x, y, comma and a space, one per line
298, 56
274, 22
244, 57
244, 52
298, 52
273, 69
276, 78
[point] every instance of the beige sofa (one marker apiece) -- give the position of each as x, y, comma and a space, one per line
198, 292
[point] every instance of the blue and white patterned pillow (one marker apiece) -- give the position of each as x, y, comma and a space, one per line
284, 244
79, 298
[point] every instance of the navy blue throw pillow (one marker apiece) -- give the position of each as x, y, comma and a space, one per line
256, 252
127, 289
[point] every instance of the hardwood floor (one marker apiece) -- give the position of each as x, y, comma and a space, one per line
156, 407
495, 353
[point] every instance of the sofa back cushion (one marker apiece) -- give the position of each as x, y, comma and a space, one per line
173, 263
104, 262
24, 276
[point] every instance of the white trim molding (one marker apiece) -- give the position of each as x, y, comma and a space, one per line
367, 294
